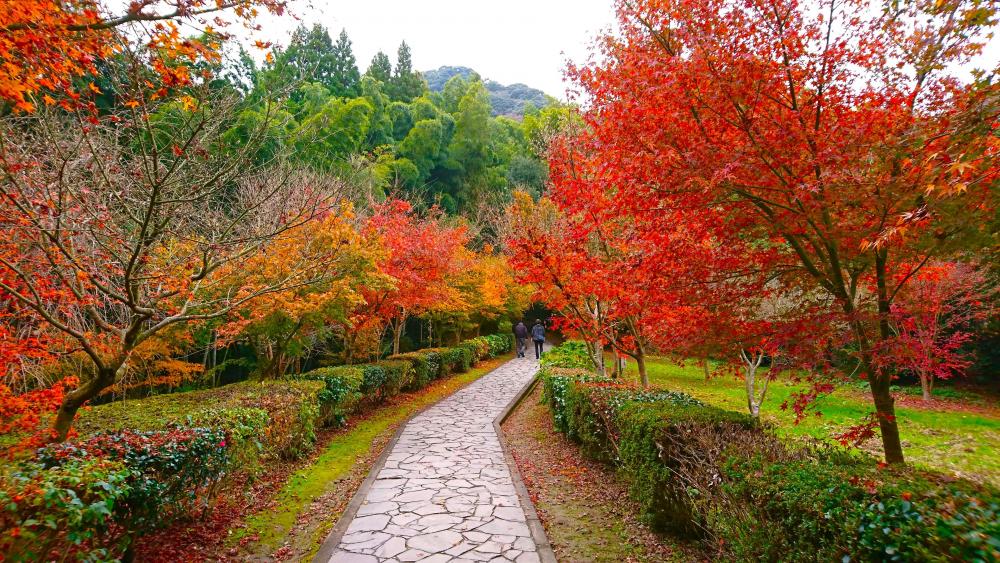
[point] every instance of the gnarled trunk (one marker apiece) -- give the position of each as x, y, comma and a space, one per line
72, 401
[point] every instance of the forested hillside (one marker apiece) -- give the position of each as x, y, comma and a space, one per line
386, 131
509, 99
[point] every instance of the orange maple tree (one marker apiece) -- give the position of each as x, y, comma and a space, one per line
51, 49
422, 253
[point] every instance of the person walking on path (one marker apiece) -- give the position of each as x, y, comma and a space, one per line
538, 336
521, 334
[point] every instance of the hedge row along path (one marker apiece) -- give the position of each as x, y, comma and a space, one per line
445, 492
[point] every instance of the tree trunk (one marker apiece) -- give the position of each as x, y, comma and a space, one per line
397, 332
925, 386
349, 348
596, 357
640, 364
72, 401
884, 403
750, 365
704, 366
885, 410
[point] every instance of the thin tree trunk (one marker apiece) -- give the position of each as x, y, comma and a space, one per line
880, 383
704, 366
640, 364
925, 386
397, 332
750, 366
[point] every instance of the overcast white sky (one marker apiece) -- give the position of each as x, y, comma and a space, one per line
508, 41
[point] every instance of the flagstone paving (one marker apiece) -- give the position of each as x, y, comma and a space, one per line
445, 493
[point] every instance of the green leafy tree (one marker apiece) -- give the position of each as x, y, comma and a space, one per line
345, 77
453, 92
402, 120
327, 139
380, 126
422, 146
312, 56
406, 83
380, 68
527, 173
470, 145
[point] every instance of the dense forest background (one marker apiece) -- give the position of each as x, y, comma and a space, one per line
458, 142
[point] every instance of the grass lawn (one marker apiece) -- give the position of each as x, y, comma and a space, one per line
944, 435
344, 461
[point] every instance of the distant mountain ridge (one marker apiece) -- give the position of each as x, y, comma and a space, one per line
505, 99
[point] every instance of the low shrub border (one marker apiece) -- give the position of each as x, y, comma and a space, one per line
716, 475
142, 464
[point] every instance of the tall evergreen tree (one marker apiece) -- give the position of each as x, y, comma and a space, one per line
381, 68
309, 56
406, 84
346, 77
312, 56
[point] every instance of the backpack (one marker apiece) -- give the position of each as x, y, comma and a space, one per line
538, 333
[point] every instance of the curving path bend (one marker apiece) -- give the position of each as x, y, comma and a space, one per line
445, 492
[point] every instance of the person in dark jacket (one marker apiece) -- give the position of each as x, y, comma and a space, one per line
538, 336
521, 334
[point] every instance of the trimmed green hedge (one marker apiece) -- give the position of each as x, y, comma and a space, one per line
398, 375
271, 418
342, 392
141, 464
426, 367
93, 498
706, 473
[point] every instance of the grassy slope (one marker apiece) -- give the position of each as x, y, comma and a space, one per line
338, 460
952, 440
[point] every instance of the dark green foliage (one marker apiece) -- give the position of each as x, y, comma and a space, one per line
99, 494
569, 354
477, 349
406, 84
828, 506
398, 375
464, 359
381, 68
290, 407
504, 100
346, 76
373, 380
703, 472
384, 132
672, 449
434, 363
426, 367
312, 56
342, 393
70, 505
145, 463
499, 344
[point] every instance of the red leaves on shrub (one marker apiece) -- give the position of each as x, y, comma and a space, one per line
23, 413
859, 433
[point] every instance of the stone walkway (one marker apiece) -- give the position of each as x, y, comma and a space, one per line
445, 493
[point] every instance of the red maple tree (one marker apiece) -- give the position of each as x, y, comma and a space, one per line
421, 253
830, 132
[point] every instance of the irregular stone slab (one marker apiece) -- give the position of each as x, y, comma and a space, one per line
446, 492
